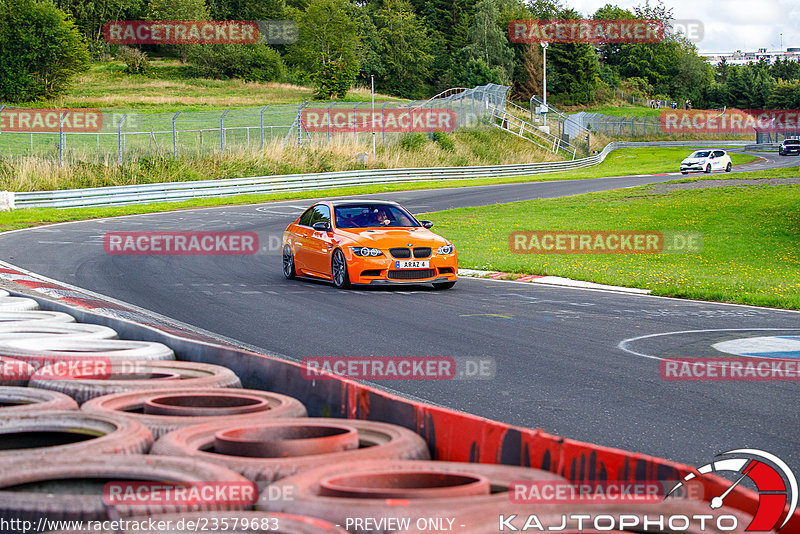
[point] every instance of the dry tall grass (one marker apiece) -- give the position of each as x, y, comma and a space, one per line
476, 147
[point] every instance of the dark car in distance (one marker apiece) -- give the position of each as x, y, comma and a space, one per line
789, 146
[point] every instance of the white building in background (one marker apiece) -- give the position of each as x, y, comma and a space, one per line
742, 58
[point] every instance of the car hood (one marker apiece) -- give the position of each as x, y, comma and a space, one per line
694, 160
385, 238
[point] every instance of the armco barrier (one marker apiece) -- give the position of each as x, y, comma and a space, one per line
450, 435
177, 191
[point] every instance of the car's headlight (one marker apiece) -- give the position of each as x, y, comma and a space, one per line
446, 249
367, 252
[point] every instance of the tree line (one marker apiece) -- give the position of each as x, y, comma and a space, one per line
412, 48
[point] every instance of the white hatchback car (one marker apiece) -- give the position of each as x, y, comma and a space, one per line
707, 161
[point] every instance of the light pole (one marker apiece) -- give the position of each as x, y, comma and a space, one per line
372, 90
544, 84
544, 72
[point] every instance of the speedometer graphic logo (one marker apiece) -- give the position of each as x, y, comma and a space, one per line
777, 485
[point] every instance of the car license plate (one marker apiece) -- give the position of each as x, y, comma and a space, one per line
410, 264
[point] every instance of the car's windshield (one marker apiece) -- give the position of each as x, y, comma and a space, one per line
700, 154
373, 216
792, 142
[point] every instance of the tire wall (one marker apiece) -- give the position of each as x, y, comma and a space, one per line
451, 435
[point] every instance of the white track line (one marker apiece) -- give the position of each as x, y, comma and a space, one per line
623, 345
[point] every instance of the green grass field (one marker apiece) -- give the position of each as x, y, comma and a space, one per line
171, 89
624, 110
751, 240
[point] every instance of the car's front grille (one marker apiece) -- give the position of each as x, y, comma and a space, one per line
400, 253
422, 252
415, 274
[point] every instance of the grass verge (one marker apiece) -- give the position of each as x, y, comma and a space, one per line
25, 218
476, 147
751, 238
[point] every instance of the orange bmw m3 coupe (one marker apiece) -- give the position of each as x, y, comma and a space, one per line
367, 242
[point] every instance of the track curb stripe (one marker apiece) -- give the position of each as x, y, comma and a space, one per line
547, 280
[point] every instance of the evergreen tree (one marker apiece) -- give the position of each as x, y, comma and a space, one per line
572, 69
721, 71
785, 95
713, 96
402, 50
761, 91
740, 84
785, 70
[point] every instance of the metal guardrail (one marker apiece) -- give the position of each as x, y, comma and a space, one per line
771, 147
177, 191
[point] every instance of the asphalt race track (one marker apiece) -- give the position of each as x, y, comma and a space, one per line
558, 362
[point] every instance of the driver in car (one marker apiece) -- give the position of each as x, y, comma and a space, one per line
381, 219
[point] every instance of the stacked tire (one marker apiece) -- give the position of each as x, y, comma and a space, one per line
109, 439
61, 462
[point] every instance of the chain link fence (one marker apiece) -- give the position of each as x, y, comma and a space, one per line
642, 100
617, 126
770, 137
113, 135
632, 127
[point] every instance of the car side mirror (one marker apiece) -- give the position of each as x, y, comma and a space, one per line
427, 224
322, 226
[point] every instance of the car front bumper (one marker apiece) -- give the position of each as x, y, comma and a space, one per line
387, 282
690, 167
381, 270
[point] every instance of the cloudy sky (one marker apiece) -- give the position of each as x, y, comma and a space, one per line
729, 24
